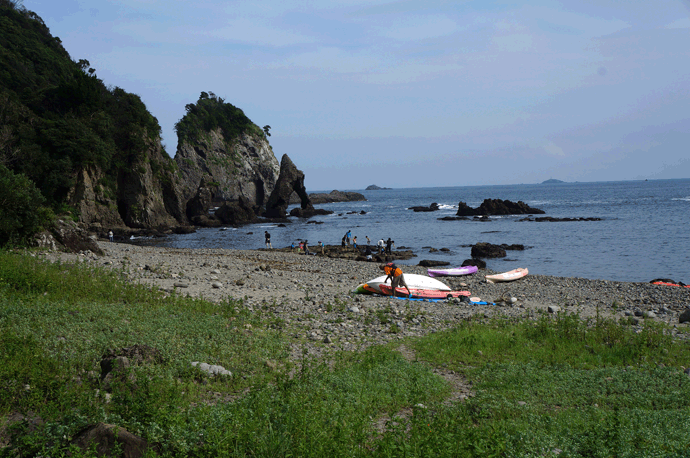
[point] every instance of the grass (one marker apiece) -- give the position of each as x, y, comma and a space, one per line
559, 386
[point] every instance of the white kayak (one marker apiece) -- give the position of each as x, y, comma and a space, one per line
452, 271
507, 276
412, 280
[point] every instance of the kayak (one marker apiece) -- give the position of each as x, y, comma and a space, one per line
413, 281
452, 272
507, 276
418, 293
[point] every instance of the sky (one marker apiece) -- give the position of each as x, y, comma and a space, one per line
412, 93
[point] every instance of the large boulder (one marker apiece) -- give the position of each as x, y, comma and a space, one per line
290, 180
488, 250
109, 439
66, 235
497, 207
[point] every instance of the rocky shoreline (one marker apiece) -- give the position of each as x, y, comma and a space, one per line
312, 301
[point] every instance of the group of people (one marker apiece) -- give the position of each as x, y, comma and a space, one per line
383, 246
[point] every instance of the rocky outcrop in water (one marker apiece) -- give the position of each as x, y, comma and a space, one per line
244, 166
431, 208
291, 180
497, 207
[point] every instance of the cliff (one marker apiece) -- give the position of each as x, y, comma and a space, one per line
221, 150
91, 150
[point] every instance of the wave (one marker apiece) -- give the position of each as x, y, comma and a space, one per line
686, 199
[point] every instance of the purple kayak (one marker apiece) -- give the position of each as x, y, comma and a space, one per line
452, 271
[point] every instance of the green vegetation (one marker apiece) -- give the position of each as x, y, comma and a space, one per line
23, 213
211, 112
557, 386
57, 116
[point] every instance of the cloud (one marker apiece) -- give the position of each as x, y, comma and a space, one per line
253, 32
683, 23
552, 149
414, 28
331, 59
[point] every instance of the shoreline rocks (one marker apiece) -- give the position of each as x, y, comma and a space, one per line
313, 294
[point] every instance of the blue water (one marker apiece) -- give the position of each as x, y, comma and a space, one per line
644, 232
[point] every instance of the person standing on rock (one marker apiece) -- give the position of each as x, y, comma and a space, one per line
306, 247
354, 243
381, 245
110, 235
268, 240
321, 245
348, 236
396, 276
368, 240
389, 242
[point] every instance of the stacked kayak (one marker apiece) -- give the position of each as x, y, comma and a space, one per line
452, 272
412, 280
418, 293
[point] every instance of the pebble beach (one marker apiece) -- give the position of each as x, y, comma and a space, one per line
311, 296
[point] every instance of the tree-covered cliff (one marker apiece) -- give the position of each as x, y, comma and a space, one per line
222, 156
87, 147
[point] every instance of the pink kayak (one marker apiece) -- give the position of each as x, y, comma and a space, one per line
418, 293
452, 271
507, 276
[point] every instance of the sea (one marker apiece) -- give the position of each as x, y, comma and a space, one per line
643, 234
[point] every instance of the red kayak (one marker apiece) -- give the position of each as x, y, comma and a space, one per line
422, 293
669, 284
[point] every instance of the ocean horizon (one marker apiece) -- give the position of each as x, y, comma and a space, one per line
642, 233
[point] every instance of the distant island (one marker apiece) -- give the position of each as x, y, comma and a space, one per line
373, 187
552, 181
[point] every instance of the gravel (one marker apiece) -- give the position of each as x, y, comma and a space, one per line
311, 295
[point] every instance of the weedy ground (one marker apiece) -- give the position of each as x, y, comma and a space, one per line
559, 386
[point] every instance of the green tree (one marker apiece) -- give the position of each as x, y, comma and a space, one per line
22, 213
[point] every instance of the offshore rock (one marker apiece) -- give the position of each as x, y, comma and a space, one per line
431, 208
327, 198
244, 166
478, 263
290, 180
488, 250
497, 207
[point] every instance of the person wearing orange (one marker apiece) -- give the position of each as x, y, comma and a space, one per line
396, 276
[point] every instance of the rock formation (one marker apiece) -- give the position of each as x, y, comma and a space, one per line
235, 213
431, 208
146, 193
497, 207
327, 198
290, 180
230, 167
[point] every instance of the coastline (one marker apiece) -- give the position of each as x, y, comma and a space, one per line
311, 295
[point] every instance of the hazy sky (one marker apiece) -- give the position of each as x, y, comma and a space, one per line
413, 93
